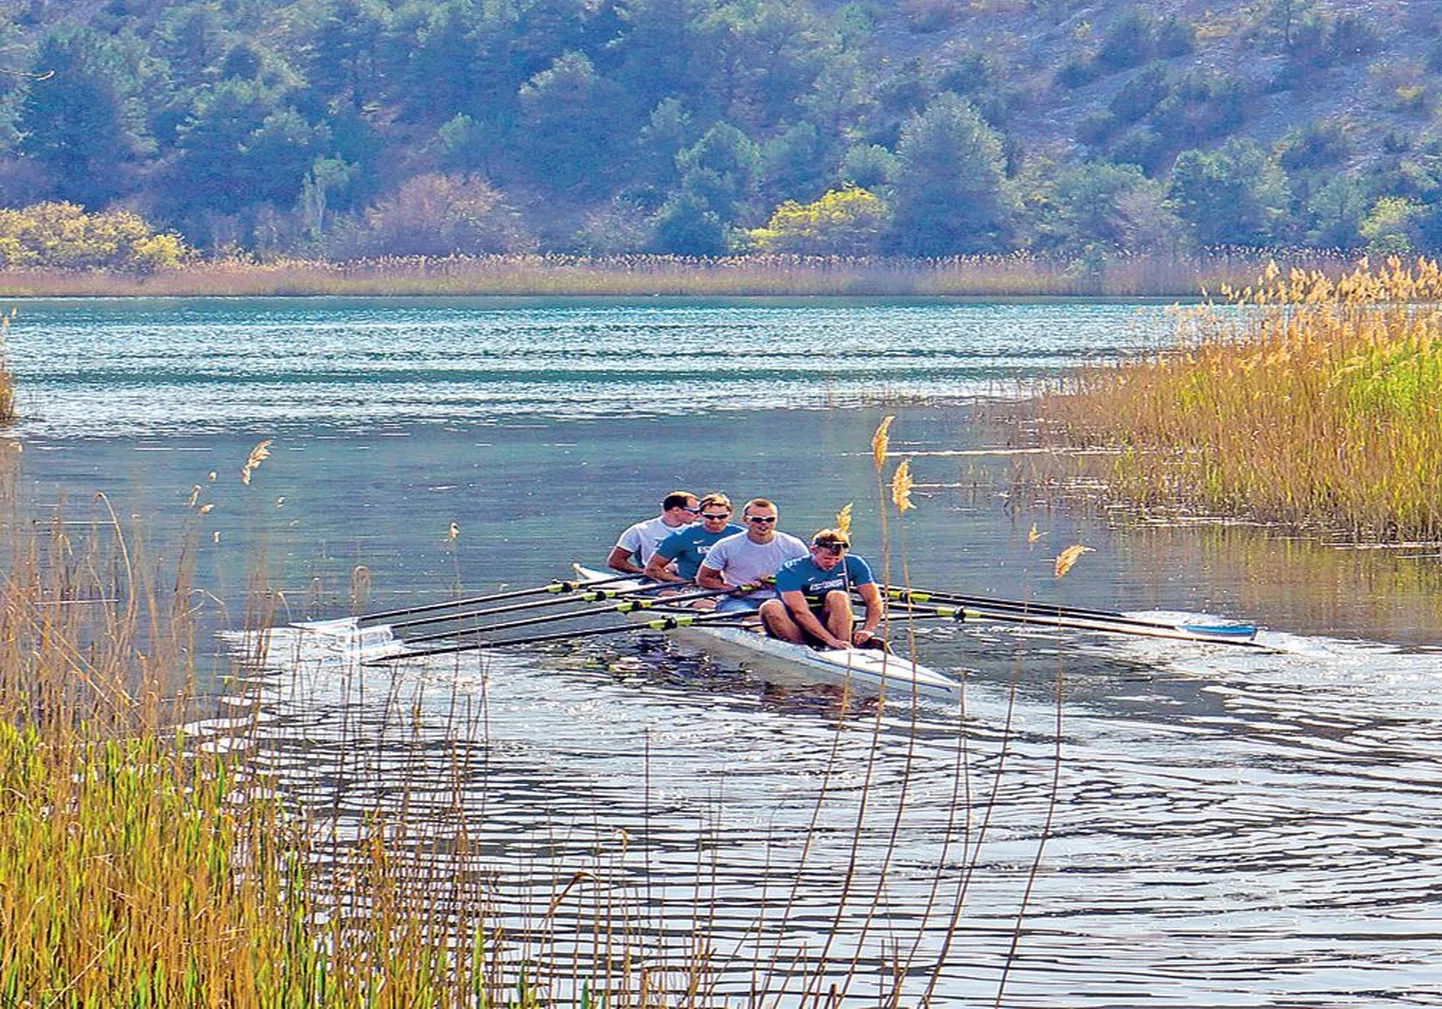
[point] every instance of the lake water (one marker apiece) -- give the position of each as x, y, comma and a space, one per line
1207, 827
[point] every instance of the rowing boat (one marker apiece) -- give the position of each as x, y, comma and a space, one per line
862, 669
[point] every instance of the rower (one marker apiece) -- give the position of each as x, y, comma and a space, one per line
745, 562
814, 597
636, 545
688, 547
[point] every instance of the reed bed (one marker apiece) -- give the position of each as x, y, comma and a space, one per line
139, 870
7, 378
1017, 275
1303, 400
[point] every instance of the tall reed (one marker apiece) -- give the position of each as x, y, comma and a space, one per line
1304, 400
7, 379
139, 870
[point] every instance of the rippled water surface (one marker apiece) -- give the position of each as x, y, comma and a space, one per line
1192, 826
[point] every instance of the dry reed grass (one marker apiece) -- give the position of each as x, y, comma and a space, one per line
7, 379
136, 871
1016, 275
1311, 402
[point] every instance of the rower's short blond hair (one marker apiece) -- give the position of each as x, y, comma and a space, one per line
830, 538
759, 502
716, 498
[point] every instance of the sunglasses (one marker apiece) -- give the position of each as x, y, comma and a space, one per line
690, 511
718, 516
761, 519
834, 549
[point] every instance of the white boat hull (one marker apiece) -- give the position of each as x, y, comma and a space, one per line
864, 670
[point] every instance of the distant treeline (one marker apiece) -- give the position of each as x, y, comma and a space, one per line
346, 129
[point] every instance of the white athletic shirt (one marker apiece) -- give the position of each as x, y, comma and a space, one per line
643, 538
740, 560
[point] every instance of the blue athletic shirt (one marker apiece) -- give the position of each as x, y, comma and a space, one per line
688, 547
802, 575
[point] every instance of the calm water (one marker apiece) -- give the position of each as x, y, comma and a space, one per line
1229, 828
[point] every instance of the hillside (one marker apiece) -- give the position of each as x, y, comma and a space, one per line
1080, 128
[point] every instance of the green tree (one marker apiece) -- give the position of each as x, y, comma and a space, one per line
83, 122
951, 192
686, 226
346, 51
567, 125
1102, 207
1334, 212
1235, 195
1393, 227
721, 170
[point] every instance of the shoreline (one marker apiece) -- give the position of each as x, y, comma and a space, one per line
988, 278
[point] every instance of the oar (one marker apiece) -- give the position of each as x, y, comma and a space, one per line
589, 596
558, 587
1060, 611
666, 623
903, 594
626, 606
1142, 628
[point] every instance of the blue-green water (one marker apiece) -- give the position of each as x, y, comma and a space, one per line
1230, 829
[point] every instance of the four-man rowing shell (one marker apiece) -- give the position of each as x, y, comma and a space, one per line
864, 669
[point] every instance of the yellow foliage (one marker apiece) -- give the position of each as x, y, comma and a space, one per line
63, 235
844, 222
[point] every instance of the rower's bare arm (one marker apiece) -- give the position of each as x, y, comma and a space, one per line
620, 560
710, 578
799, 610
659, 569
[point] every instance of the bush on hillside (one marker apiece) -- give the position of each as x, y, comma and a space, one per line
64, 236
844, 222
435, 215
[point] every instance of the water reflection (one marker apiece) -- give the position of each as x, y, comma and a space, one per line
1229, 828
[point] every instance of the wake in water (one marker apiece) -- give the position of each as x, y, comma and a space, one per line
1248, 828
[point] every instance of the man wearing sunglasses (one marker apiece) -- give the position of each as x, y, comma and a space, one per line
745, 562
679, 555
636, 545
814, 597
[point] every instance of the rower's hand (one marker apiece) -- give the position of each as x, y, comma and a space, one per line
861, 636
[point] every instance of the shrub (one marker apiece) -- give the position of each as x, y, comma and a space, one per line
1128, 40
1314, 146
844, 222
64, 236
437, 215
1141, 94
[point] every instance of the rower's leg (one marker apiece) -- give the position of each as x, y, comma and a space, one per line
778, 622
838, 614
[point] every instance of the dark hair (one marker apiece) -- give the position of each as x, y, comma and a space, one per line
676, 499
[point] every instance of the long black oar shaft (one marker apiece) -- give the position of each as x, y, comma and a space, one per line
668, 622
1134, 627
557, 586
626, 606
589, 596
